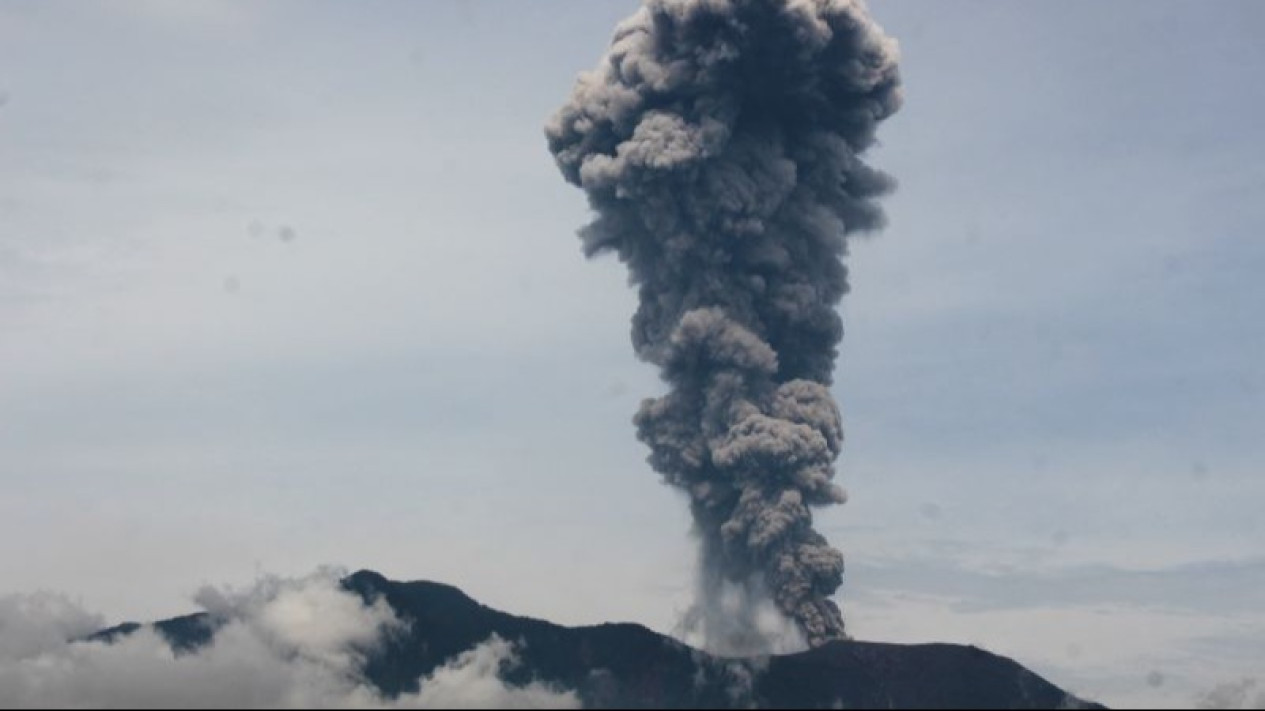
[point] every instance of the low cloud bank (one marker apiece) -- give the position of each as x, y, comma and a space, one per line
280, 644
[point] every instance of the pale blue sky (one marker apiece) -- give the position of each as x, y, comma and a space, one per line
1051, 378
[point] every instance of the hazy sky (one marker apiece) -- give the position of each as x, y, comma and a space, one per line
284, 284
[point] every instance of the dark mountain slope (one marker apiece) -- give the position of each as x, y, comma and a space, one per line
629, 666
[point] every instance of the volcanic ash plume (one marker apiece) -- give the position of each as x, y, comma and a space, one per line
719, 143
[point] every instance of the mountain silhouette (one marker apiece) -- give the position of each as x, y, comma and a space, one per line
630, 666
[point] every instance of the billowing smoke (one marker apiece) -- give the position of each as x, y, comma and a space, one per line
720, 143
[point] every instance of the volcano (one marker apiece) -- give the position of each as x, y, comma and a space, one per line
630, 666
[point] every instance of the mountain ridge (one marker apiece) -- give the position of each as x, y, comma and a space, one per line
626, 665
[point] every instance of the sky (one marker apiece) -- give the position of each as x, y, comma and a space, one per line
291, 284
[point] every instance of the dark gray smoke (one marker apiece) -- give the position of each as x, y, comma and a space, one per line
719, 143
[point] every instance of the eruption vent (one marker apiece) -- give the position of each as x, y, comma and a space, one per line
719, 143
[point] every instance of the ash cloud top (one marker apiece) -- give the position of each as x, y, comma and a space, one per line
719, 143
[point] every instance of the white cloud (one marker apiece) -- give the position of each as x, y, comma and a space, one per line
283, 644
471, 681
31, 625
